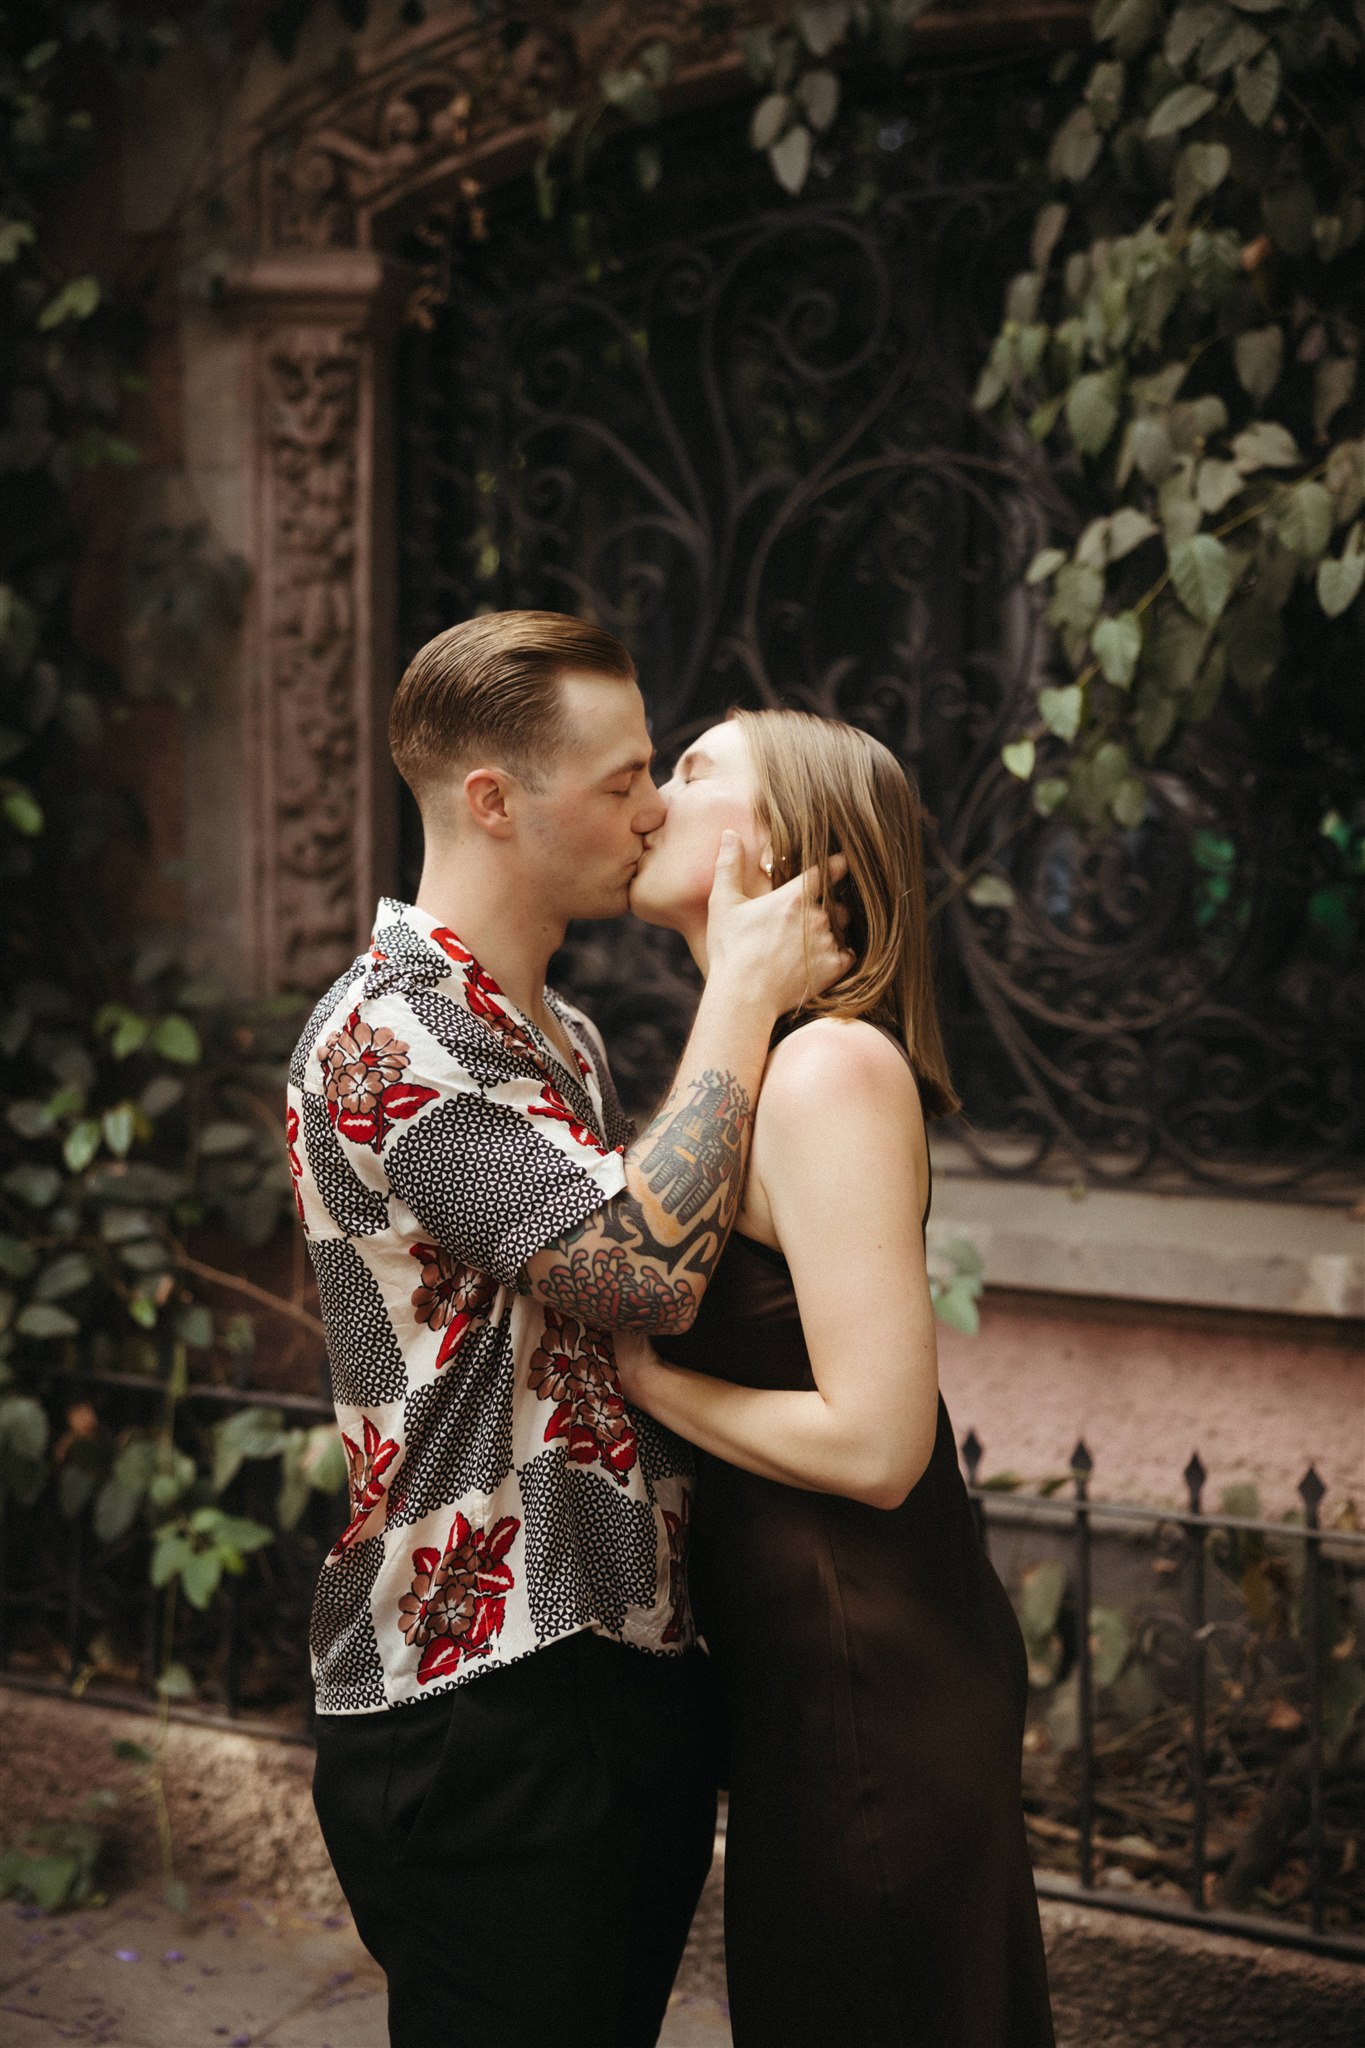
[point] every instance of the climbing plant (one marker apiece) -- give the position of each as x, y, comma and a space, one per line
1186, 347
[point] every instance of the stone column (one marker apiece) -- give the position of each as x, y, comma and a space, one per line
321, 841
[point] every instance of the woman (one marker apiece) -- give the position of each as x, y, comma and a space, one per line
877, 1887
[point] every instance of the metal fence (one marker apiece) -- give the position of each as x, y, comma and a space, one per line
1331, 1568
73, 1599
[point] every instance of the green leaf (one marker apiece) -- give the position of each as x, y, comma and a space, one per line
1259, 357
790, 158
1206, 164
1044, 564
1305, 524
222, 1137
117, 1125
82, 1143
823, 27
818, 93
1109, 1644
76, 300
1265, 444
1076, 147
14, 236
1202, 575
956, 1305
1127, 530
175, 1683
23, 1427
1118, 644
66, 1275
1048, 795
41, 1319
175, 1038
1092, 411
1338, 582
1333, 383
1188, 28
649, 166
1104, 93
1258, 88
194, 1326
1047, 228
990, 892
250, 1433
16, 1258
36, 1185
199, 1575
1019, 757
1216, 484
115, 1507
1179, 110
1041, 1590
770, 117
1061, 710
23, 811
1129, 803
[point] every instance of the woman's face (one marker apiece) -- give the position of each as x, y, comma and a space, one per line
711, 789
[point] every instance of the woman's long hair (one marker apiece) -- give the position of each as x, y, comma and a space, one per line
825, 787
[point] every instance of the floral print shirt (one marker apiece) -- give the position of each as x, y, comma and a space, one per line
502, 1494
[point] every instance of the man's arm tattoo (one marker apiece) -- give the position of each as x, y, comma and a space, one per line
636, 1262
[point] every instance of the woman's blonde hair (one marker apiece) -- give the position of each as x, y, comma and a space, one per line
826, 788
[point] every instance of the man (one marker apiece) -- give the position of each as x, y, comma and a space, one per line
513, 1775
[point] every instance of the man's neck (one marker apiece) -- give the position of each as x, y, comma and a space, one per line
496, 916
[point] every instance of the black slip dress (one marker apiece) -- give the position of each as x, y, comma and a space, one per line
878, 1892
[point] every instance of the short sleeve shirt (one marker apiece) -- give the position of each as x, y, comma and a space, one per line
502, 1493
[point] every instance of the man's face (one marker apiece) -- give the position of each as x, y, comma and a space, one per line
586, 824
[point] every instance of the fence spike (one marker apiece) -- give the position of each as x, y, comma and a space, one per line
972, 1449
1311, 1491
1081, 1460
1194, 1477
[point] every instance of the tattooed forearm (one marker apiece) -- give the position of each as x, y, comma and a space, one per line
643, 1261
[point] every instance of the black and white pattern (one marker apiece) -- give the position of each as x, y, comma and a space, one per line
479, 1176
368, 1368
355, 1208
591, 1550
341, 1636
440, 1142
458, 1431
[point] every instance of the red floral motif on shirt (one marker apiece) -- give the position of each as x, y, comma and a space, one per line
367, 1462
484, 997
679, 1528
457, 1602
291, 1139
452, 1298
363, 1068
573, 1366
552, 1104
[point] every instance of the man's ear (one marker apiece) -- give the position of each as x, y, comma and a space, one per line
485, 795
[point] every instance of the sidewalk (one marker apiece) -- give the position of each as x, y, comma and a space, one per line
230, 1974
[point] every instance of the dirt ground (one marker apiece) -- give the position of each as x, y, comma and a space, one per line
242, 1819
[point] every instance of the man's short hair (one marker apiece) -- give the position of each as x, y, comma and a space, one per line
488, 689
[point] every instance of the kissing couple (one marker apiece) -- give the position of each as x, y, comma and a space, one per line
651, 1485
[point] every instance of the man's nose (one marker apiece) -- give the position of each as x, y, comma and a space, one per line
652, 811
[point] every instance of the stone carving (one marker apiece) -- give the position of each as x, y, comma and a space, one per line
443, 100
311, 378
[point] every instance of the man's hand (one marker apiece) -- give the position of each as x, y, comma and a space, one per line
779, 949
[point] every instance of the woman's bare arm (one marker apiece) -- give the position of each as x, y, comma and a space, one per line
839, 1154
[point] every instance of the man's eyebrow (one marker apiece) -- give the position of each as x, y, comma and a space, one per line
631, 767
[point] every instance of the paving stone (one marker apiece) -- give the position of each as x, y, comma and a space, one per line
695, 2023
31, 1940
151, 1978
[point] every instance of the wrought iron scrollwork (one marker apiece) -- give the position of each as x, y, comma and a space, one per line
747, 446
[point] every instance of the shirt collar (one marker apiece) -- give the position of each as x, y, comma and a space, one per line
474, 987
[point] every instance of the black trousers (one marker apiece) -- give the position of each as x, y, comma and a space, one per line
523, 1855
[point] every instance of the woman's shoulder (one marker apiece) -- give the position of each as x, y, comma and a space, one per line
845, 1060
